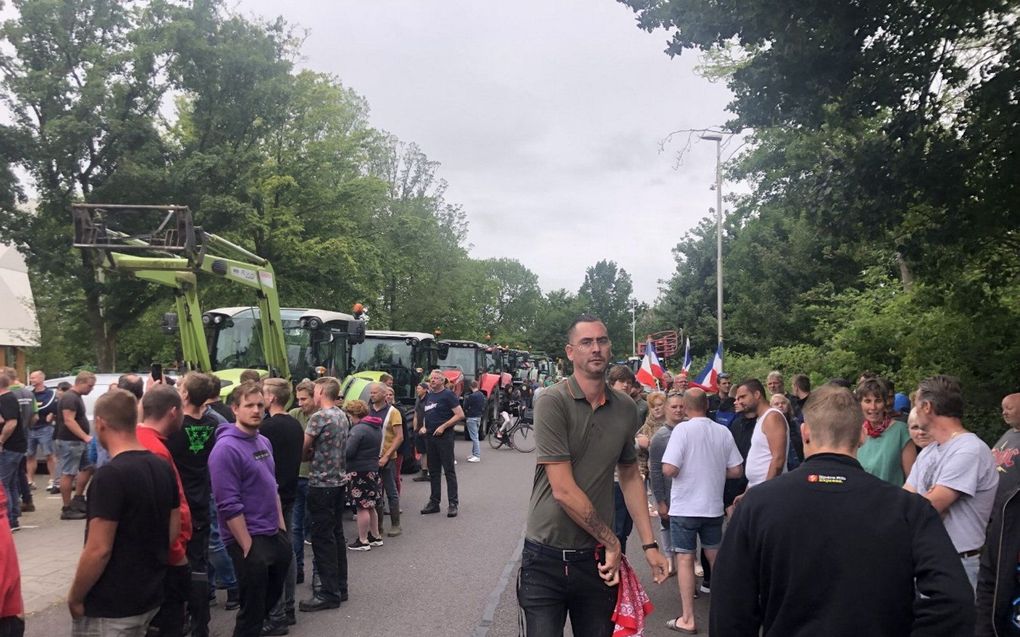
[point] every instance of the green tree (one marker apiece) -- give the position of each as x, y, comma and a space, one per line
513, 300
607, 292
83, 83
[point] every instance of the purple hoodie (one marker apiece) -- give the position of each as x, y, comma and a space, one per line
244, 481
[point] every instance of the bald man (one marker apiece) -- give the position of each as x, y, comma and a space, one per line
997, 583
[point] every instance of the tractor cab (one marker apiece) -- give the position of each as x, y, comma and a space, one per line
406, 356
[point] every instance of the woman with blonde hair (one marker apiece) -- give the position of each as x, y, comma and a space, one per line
656, 418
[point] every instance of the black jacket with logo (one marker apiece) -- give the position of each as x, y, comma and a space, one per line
828, 549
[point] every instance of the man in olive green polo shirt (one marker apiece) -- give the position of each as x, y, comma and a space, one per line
571, 559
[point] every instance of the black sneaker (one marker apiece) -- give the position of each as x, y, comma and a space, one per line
424, 477
358, 545
67, 513
316, 604
291, 617
452, 511
272, 629
431, 507
78, 503
374, 541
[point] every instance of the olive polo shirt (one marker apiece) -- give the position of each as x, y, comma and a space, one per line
594, 441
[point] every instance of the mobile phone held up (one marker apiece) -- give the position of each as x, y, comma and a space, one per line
157, 372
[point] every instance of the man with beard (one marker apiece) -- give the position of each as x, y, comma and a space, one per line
190, 447
250, 515
766, 457
571, 560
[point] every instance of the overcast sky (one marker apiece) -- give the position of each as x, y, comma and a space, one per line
547, 117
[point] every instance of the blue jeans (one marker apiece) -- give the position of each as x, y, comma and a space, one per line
298, 529
685, 531
10, 462
220, 566
472, 426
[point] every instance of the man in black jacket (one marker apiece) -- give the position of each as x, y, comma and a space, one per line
830, 550
999, 574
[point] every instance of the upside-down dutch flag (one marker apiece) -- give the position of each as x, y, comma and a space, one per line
650, 367
708, 379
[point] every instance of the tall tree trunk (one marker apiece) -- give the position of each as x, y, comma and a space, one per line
906, 275
102, 338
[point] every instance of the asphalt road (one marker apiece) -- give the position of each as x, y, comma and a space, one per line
442, 576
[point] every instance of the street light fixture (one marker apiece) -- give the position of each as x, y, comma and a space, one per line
717, 138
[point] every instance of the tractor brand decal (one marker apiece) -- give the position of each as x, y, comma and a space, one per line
243, 273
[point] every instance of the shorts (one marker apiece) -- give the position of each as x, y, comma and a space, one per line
685, 531
40, 438
364, 488
69, 456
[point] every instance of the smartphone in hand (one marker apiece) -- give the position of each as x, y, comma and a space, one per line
157, 372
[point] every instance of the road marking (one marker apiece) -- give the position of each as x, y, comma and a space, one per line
497, 593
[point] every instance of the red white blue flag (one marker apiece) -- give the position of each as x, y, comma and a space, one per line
708, 379
687, 355
651, 369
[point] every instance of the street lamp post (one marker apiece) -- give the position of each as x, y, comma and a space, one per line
717, 138
633, 330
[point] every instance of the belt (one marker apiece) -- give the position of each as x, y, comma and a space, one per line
565, 555
976, 551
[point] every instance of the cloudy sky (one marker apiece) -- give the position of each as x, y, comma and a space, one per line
548, 117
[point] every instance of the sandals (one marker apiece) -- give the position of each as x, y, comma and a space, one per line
673, 625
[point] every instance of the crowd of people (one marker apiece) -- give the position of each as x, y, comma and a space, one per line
786, 505
847, 510
183, 494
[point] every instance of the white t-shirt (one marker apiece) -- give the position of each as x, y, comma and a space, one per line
759, 456
964, 464
702, 450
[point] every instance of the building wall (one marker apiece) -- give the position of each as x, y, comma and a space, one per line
13, 356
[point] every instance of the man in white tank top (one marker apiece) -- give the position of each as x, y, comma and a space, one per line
767, 457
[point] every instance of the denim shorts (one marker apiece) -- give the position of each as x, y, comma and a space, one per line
40, 437
685, 532
69, 453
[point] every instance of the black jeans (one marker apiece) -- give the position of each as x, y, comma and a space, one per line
260, 578
329, 550
176, 589
548, 589
198, 559
440, 454
623, 524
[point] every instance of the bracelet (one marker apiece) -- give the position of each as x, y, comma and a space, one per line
653, 545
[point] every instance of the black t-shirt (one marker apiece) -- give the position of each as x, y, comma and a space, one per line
220, 408
1007, 462
47, 402
136, 489
474, 404
288, 438
71, 401
439, 408
10, 410
190, 449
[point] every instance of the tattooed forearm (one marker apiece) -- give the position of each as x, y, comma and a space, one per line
590, 521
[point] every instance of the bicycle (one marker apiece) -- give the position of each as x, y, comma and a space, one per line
519, 434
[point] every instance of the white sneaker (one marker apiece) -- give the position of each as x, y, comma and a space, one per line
474, 459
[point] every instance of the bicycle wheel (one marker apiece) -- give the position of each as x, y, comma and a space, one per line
494, 442
523, 437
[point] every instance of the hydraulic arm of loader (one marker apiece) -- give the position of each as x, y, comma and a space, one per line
189, 250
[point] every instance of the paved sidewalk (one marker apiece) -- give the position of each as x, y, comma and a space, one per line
48, 550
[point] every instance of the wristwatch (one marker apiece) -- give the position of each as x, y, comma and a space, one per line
653, 545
